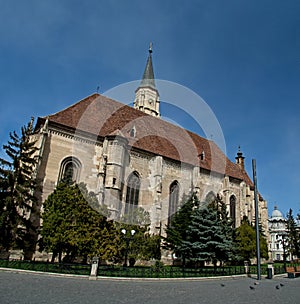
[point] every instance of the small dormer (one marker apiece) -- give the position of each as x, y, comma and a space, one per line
132, 132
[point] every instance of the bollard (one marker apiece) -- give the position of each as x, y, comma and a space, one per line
247, 268
270, 271
94, 268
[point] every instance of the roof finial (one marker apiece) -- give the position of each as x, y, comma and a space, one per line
150, 47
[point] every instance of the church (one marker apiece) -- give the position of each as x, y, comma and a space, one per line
130, 157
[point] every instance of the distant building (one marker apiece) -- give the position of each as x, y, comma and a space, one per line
277, 236
131, 158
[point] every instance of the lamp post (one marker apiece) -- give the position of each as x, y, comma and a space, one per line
256, 220
127, 240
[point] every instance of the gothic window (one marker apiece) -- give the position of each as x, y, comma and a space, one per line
132, 193
232, 208
173, 199
210, 197
69, 170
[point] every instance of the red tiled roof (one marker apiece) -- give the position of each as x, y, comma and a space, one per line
102, 116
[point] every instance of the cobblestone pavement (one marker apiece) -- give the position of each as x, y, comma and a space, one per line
43, 288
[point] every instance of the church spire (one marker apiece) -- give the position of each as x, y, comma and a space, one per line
240, 159
148, 76
146, 95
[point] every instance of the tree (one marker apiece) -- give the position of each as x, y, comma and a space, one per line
226, 229
143, 244
72, 226
293, 244
264, 251
176, 230
92, 200
137, 217
246, 242
209, 234
17, 188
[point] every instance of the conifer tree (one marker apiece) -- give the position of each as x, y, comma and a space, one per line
209, 234
227, 230
17, 187
293, 244
246, 242
176, 230
71, 226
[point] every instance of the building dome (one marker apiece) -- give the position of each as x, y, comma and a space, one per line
276, 214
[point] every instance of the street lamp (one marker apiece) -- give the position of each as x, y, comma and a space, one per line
127, 240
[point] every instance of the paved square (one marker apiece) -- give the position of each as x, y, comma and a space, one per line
43, 288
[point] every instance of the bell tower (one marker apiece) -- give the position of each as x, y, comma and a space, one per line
146, 95
240, 159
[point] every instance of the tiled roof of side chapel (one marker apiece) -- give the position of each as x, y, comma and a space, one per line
101, 117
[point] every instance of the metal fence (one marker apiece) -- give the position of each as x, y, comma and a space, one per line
168, 271
155, 271
76, 269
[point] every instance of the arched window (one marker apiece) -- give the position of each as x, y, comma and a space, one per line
69, 171
173, 199
210, 198
232, 207
132, 193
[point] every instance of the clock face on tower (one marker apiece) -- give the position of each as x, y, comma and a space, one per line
150, 101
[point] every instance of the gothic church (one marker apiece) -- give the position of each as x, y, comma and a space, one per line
131, 157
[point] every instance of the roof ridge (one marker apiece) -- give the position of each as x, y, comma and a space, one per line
74, 104
107, 115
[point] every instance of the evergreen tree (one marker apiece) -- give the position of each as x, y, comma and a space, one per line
264, 251
176, 230
209, 234
91, 199
73, 227
246, 242
227, 230
17, 187
293, 244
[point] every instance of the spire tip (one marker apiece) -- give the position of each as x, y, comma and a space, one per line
150, 47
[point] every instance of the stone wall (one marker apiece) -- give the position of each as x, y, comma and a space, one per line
106, 166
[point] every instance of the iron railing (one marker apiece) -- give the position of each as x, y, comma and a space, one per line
76, 269
159, 271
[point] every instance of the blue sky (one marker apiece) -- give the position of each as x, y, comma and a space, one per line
241, 57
